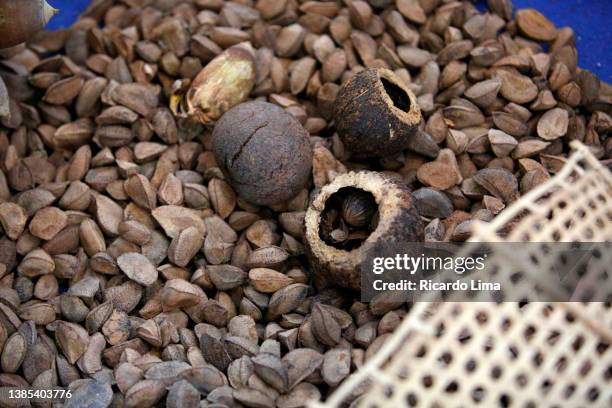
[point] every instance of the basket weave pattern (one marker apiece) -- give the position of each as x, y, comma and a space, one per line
508, 354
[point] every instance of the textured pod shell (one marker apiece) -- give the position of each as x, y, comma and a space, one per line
264, 150
376, 114
19, 20
225, 82
398, 221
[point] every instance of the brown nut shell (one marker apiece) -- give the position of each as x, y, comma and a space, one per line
398, 221
376, 114
264, 150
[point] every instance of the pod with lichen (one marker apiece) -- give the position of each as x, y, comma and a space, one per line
223, 83
376, 114
19, 20
356, 212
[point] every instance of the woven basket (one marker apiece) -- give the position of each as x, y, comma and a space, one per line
508, 354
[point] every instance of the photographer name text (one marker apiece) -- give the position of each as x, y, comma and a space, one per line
430, 285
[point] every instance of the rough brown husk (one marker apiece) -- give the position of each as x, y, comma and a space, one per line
398, 221
367, 119
278, 141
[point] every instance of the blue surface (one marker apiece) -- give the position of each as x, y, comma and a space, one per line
69, 11
590, 19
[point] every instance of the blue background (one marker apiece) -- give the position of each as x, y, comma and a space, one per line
590, 19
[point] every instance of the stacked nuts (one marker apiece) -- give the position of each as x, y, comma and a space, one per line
184, 184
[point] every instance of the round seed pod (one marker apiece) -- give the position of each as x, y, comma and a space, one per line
264, 150
19, 20
394, 219
376, 114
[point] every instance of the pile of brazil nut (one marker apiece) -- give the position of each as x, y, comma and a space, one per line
186, 186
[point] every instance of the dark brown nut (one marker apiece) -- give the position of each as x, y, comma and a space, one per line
265, 152
376, 114
535, 25
395, 219
358, 209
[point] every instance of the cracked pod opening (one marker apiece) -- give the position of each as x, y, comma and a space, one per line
398, 96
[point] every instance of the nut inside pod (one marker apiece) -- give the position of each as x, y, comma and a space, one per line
349, 216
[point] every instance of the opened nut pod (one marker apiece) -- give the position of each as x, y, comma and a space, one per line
353, 213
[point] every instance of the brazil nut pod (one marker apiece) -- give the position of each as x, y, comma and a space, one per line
376, 114
349, 216
264, 151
